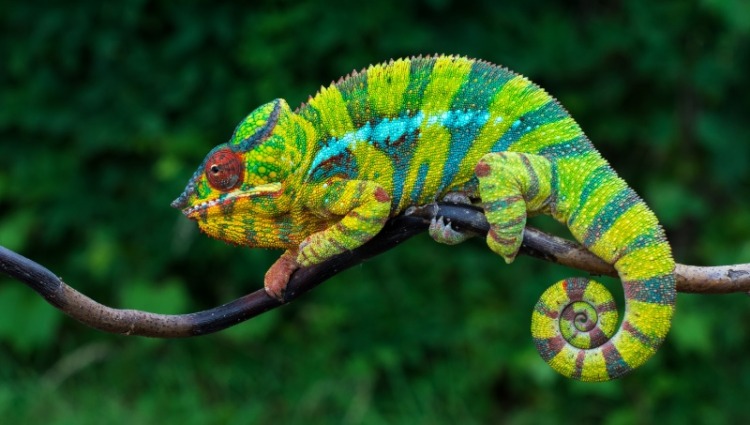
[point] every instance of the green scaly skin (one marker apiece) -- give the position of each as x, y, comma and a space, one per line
325, 178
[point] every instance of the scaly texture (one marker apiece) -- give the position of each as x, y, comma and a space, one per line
325, 178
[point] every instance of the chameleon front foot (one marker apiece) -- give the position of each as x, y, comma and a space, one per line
317, 248
277, 276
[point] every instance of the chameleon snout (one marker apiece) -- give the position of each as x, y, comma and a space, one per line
179, 203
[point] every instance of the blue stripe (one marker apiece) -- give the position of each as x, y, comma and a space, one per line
416, 191
573, 147
549, 112
342, 165
616, 365
648, 237
353, 89
400, 150
601, 174
260, 134
464, 127
549, 348
481, 85
419, 76
396, 137
381, 132
652, 290
606, 217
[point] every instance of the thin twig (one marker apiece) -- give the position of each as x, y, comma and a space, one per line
706, 280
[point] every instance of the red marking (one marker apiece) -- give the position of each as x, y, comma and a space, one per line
556, 344
341, 160
381, 195
565, 285
499, 239
610, 352
569, 314
580, 358
543, 309
605, 307
482, 169
224, 170
598, 337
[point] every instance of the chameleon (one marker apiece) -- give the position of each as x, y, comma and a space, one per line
324, 178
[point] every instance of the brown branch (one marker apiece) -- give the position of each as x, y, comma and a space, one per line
706, 280
690, 279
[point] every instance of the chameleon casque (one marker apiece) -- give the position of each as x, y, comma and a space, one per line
325, 178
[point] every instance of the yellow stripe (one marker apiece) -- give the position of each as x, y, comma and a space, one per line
333, 113
623, 232
374, 165
565, 361
448, 75
581, 340
432, 150
596, 293
608, 322
544, 327
594, 366
547, 135
386, 84
593, 204
646, 262
573, 172
632, 350
649, 318
516, 98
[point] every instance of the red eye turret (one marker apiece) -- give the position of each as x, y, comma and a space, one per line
224, 170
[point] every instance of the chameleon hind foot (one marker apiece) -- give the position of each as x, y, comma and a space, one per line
442, 232
510, 184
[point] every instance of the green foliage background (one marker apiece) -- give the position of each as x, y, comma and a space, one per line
106, 108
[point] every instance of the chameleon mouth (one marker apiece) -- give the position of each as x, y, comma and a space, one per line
192, 212
230, 198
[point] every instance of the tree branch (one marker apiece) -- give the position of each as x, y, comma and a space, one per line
693, 279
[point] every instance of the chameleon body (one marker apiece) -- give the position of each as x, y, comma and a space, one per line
325, 178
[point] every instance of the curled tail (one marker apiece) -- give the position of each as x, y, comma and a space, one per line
573, 321
574, 324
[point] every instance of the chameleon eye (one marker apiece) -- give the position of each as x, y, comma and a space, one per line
224, 170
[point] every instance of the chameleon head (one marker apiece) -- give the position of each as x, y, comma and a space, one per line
237, 193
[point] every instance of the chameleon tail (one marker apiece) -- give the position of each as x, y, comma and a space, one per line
574, 321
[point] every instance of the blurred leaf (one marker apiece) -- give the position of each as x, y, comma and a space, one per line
734, 12
674, 203
693, 334
14, 230
33, 323
258, 329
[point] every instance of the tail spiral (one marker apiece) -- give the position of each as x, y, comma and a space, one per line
574, 324
575, 311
